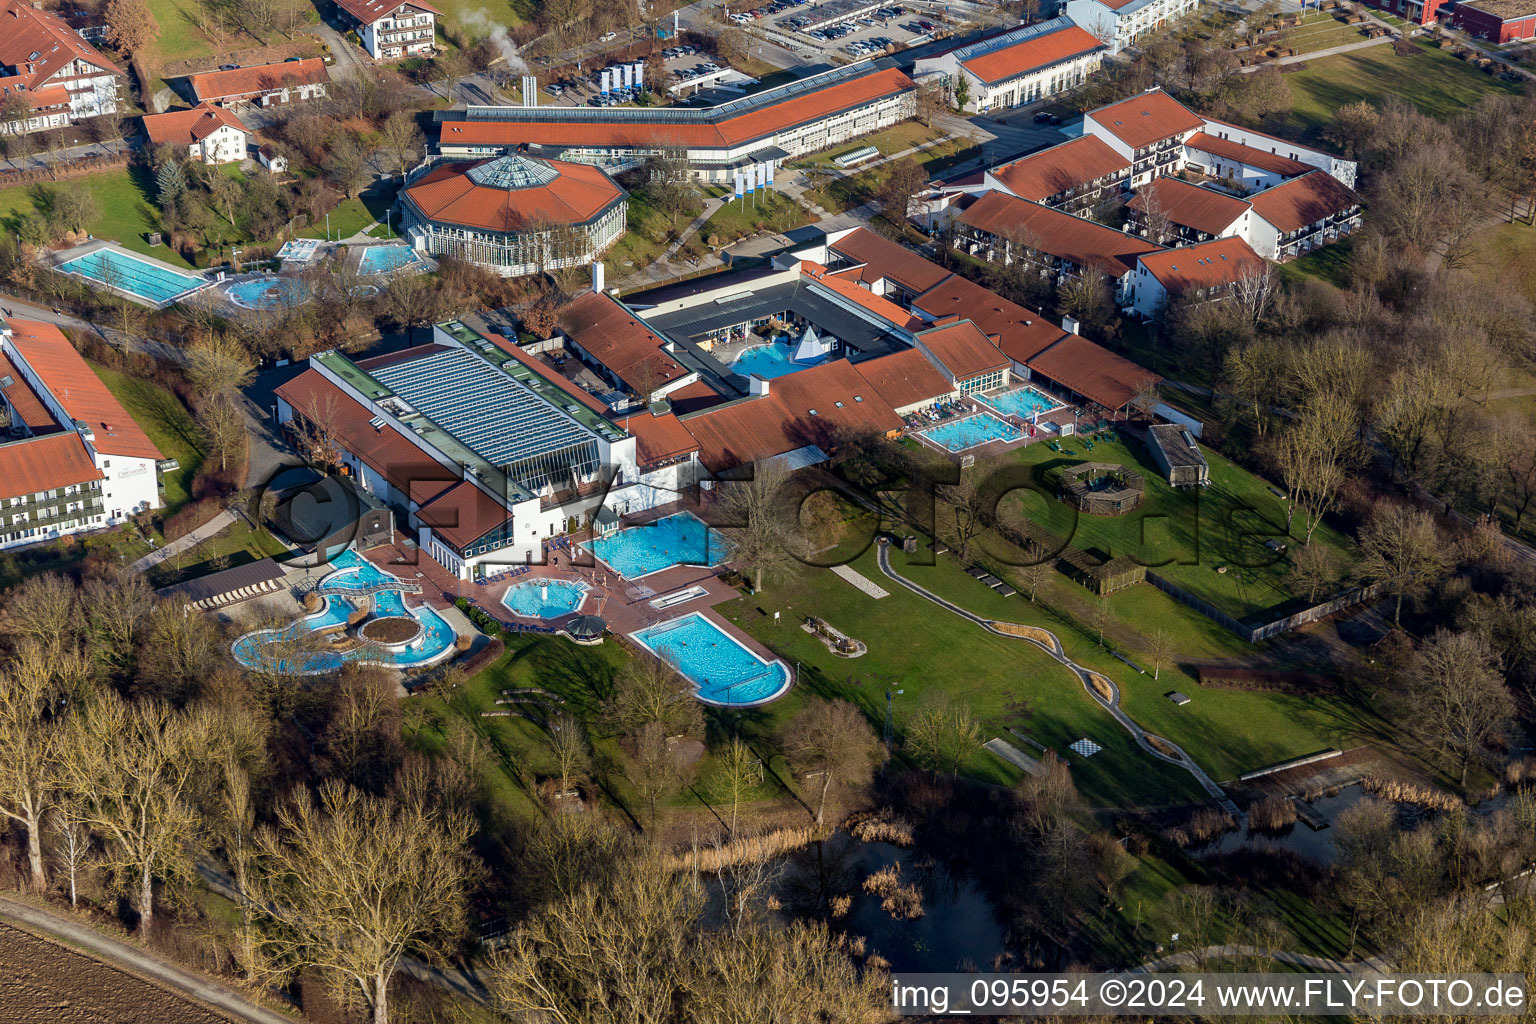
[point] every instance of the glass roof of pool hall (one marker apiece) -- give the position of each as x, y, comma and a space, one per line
513, 172
497, 417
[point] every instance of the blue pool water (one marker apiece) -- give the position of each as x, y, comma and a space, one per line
545, 599
155, 284
1023, 402
771, 360
352, 571
268, 293
958, 435
381, 259
680, 539
722, 669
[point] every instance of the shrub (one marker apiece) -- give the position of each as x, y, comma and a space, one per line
1271, 814
883, 827
1399, 792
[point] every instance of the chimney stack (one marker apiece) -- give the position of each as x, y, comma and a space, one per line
757, 385
597, 276
1070, 324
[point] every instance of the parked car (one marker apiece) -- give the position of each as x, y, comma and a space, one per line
607, 37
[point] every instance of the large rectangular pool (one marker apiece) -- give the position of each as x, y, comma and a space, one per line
724, 671
680, 539
958, 435
153, 284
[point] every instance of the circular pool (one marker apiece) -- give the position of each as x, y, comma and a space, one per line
268, 293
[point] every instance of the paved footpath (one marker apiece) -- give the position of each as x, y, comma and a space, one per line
1085, 676
139, 961
220, 522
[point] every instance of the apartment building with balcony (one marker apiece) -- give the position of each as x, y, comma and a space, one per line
1121, 23
64, 78
1020, 66
71, 458
390, 30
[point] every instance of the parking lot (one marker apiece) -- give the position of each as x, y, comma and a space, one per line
854, 29
684, 63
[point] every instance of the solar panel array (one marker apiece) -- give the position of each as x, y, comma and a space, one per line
481, 406
673, 115
1013, 38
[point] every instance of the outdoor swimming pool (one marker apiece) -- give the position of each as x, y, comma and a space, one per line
152, 283
774, 359
1023, 402
724, 671
381, 259
266, 650
545, 599
958, 435
680, 539
268, 293
351, 571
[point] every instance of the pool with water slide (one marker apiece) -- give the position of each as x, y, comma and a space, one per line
545, 599
958, 435
723, 670
681, 539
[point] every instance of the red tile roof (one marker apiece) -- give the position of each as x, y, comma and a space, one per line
1146, 118
463, 514
1295, 204
1020, 331
82, 394
1207, 265
882, 307
370, 11
1055, 233
694, 398
905, 378
963, 350
1237, 152
405, 466
1093, 371
36, 464
185, 127
806, 408
447, 194
27, 403
1069, 165
25, 31
890, 260
258, 79
1203, 209
729, 132
658, 437
619, 340
1032, 54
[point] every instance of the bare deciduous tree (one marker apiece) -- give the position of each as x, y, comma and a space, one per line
943, 734
1459, 696
763, 518
352, 883
833, 740
1401, 550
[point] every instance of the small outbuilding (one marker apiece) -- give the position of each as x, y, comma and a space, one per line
1178, 455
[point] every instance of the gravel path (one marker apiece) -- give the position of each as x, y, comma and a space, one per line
1085, 676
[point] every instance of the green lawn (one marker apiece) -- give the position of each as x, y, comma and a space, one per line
894, 139
916, 647
1330, 264
1432, 80
125, 213
178, 38
351, 216
168, 424
235, 545
770, 211
1185, 535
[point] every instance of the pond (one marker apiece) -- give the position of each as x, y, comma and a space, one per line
959, 927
